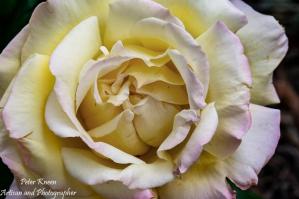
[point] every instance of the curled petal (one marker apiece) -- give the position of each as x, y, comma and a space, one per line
194, 87
181, 127
120, 132
65, 64
176, 37
201, 135
146, 75
230, 80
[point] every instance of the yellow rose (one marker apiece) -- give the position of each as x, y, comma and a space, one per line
141, 99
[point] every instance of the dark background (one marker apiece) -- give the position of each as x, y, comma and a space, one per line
280, 178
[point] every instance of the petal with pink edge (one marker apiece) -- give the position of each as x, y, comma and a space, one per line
230, 79
257, 147
265, 44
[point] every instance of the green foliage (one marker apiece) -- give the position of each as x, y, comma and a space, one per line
243, 194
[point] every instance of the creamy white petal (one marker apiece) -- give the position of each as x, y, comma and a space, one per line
257, 147
67, 60
198, 16
181, 127
176, 37
28, 96
52, 20
10, 59
265, 44
201, 135
194, 87
229, 88
125, 13
205, 179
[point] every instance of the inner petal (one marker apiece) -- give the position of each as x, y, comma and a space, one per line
153, 120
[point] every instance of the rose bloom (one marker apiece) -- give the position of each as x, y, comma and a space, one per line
141, 99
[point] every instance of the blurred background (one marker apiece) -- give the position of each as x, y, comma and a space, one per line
280, 178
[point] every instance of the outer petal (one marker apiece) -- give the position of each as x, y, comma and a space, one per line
204, 180
10, 59
201, 135
265, 45
198, 16
257, 147
79, 46
28, 96
52, 20
229, 87
8, 147
99, 174
143, 176
125, 13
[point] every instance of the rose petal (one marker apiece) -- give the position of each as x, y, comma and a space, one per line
28, 96
198, 16
144, 176
194, 87
100, 174
91, 72
230, 79
125, 13
122, 95
52, 20
10, 59
181, 127
205, 179
154, 126
201, 135
176, 37
91, 113
257, 147
61, 125
79, 46
147, 75
120, 132
265, 44
165, 92
150, 57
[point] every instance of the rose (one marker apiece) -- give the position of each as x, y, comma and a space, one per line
127, 99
